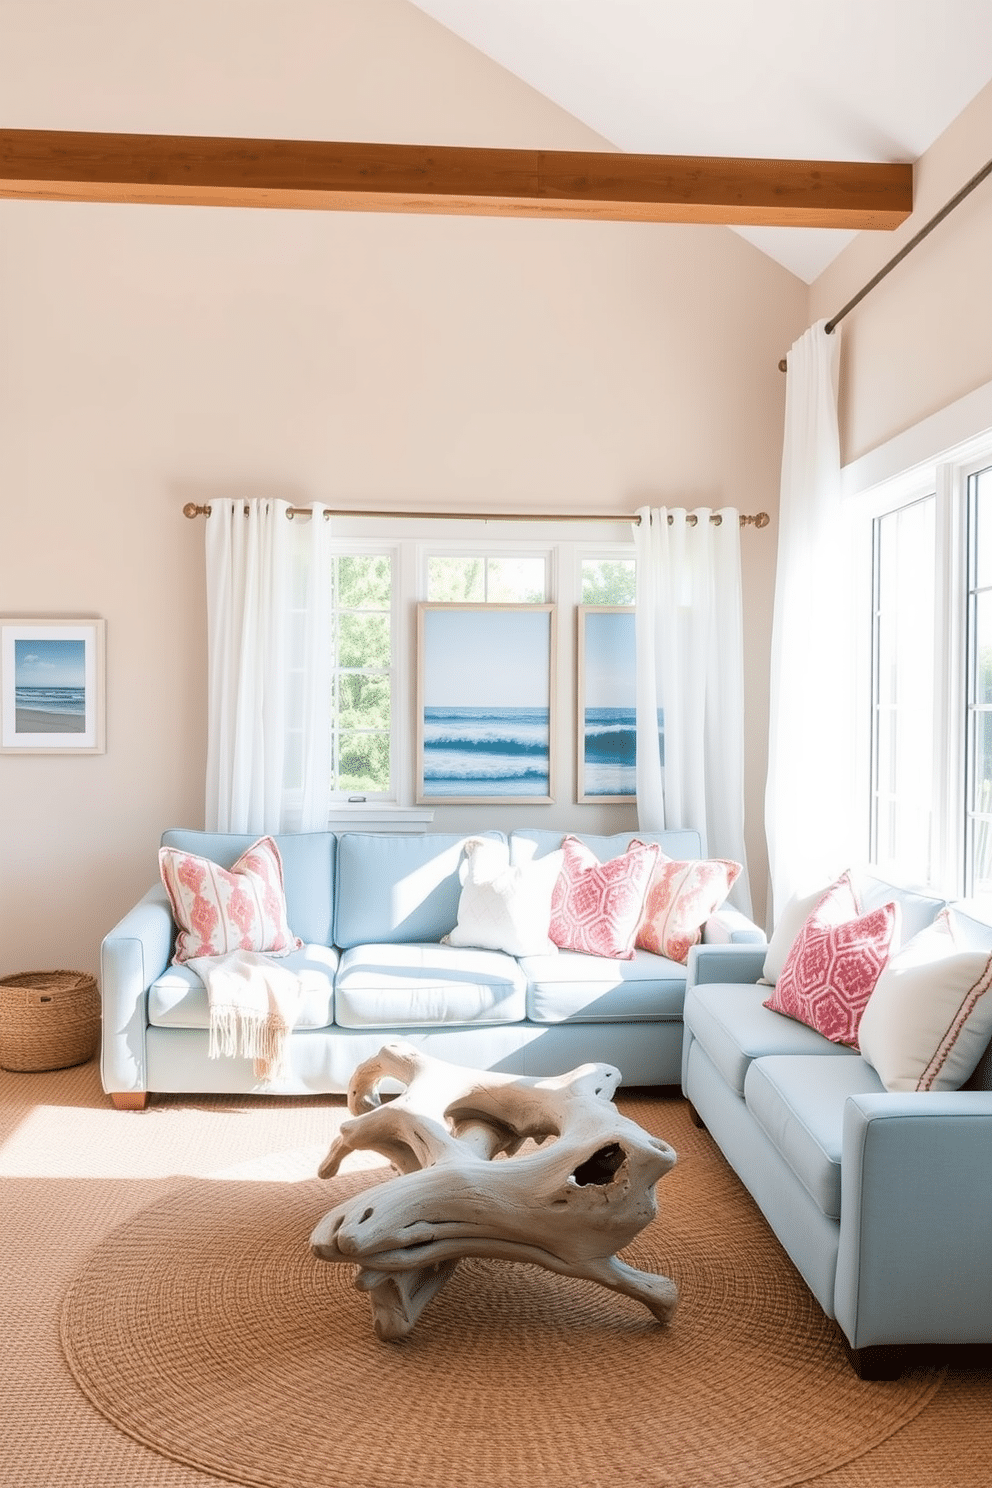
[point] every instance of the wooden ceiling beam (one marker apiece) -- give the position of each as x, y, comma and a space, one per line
205, 170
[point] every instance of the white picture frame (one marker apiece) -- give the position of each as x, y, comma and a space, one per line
52, 679
485, 704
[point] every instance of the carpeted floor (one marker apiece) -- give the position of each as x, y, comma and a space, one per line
73, 1170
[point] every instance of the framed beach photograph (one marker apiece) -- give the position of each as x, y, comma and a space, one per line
485, 703
52, 686
606, 723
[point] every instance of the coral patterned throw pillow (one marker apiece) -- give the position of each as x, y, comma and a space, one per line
228, 909
833, 966
680, 900
597, 907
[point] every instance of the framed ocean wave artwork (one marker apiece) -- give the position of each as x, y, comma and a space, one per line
52, 686
485, 703
606, 722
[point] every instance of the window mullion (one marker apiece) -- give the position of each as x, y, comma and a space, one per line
950, 680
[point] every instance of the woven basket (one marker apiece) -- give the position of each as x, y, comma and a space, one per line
48, 1019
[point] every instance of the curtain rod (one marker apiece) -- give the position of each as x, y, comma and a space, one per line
907, 248
759, 519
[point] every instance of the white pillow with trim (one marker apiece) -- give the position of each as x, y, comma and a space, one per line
503, 908
929, 1019
791, 921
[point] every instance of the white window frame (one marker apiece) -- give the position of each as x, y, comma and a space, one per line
411, 542
936, 457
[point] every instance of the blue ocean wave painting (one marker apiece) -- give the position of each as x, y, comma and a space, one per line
70, 701
486, 751
49, 685
610, 751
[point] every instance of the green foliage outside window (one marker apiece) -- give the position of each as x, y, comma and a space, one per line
363, 640
365, 582
470, 579
456, 580
608, 581
363, 762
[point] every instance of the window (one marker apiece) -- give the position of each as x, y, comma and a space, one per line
358, 632
361, 729
366, 710
902, 689
979, 684
930, 777
480, 579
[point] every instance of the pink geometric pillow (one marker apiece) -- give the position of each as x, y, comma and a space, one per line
596, 907
680, 899
228, 909
833, 966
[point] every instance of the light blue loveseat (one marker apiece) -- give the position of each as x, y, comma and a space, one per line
371, 909
883, 1200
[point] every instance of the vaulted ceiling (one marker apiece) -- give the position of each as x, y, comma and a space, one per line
769, 80
853, 80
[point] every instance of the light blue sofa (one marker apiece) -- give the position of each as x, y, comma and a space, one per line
882, 1200
371, 909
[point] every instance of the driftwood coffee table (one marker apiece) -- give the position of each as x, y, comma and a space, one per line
454, 1135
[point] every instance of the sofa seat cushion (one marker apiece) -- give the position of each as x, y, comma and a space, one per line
414, 986
798, 1101
575, 988
734, 1027
398, 888
178, 999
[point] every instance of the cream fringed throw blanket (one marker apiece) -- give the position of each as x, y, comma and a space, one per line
253, 1007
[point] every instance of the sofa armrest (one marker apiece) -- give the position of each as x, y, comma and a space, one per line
915, 1262
725, 963
730, 926
134, 953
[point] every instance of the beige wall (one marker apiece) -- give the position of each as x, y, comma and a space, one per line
151, 353
923, 337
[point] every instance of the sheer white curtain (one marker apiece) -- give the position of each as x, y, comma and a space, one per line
689, 637
269, 684
810, 792
315, 655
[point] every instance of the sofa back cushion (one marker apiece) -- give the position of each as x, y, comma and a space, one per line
308, 860
535, 842
916, 910
973, 929
397, 888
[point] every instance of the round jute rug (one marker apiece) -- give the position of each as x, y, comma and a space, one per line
204, 1329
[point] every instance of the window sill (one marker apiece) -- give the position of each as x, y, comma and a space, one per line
373, 816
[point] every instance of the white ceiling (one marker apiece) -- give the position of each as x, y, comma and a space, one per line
782, 79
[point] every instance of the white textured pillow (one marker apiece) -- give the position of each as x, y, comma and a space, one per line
791, 921
929, 1019
503, 908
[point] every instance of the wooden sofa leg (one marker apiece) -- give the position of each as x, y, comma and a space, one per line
695, 1117
878, 1362
129, 1100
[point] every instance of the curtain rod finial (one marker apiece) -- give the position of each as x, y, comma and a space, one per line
192, 510
783, 365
